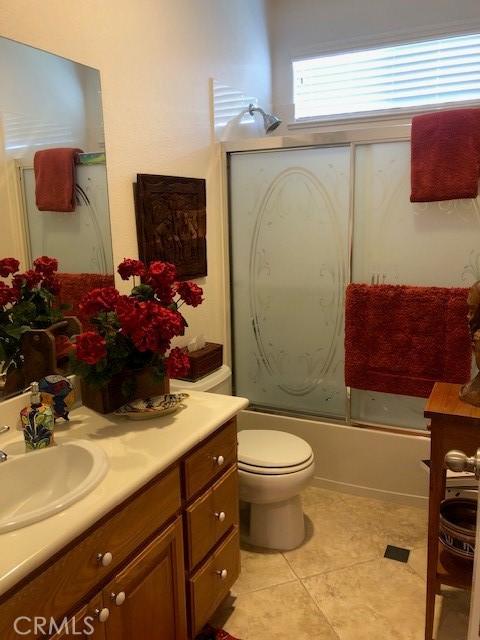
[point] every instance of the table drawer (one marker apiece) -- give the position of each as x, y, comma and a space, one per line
209, 586
61, 585
207, 462
211, 516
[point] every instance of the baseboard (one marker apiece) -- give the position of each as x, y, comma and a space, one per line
369, 492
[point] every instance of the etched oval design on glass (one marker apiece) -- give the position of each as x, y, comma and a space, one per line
297, 275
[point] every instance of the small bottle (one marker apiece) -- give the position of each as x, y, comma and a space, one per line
37, 422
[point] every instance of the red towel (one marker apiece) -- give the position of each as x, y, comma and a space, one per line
445, 155
55, 179
75, 285
402, 340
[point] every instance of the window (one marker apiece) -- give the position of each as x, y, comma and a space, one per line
388, 79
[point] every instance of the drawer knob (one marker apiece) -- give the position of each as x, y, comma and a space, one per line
220, 515
219, 460
222, 574
102, 614
118, 598
104, 558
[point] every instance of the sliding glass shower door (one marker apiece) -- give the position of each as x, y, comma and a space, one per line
289, 256
299, 217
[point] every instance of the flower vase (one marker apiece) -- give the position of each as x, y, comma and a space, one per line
124, 387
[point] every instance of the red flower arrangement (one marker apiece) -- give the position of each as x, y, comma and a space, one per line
135, 331
26, 302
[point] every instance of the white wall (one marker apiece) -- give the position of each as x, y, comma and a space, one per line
155, 58
311, 27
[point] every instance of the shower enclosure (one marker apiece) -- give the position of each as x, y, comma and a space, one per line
307, 216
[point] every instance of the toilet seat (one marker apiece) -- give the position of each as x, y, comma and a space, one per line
275, 471
268, 452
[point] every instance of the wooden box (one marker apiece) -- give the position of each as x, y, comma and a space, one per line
204, 361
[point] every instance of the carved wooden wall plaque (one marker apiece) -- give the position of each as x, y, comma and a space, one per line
171, 216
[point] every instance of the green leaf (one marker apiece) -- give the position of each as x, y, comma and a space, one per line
15, 331
143, 292
24, 312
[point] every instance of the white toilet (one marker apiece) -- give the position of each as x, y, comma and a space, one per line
220, 381
274, 467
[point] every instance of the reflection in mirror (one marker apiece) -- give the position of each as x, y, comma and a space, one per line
46, 103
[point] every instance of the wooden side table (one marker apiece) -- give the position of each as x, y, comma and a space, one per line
454, 425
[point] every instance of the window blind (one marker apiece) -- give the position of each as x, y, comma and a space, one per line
228, 103
391, 78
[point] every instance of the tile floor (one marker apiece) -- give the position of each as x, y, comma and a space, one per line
338, 585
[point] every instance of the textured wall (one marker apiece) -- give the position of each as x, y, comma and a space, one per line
155, 58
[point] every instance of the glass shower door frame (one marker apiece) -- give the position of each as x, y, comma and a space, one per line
342, 137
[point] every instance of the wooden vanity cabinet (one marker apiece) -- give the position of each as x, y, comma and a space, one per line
147, 599
155, 568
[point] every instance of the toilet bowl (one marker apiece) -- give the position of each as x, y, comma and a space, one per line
274, 467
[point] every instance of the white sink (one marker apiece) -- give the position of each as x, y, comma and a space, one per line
39, 484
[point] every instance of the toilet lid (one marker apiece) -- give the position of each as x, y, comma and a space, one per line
276, 449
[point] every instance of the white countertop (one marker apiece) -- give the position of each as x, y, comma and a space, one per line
136, 450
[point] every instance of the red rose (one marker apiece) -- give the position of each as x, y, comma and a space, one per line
149, 325
130, 267
171, 323
52, 284
98, 300
8, 266
90, 347
161, 277
45, 265
163, 273
30, 279
190, 293
7, 294
177, 363
128, 313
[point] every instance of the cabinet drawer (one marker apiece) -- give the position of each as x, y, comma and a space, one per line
56, 590
207, 586
211, 516
207, 462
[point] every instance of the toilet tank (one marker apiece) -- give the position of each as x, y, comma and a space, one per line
220, 381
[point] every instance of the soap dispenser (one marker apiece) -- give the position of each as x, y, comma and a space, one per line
37, 421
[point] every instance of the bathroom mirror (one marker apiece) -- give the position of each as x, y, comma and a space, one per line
49, 102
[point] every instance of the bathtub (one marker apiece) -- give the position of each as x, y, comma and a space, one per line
358, 460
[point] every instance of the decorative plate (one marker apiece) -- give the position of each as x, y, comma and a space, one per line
152, 407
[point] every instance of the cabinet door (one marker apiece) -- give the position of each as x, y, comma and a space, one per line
147, 599
88, 622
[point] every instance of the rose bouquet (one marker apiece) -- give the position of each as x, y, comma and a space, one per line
27, 301
133, 332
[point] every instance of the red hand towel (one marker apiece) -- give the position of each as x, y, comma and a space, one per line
55, 179
445, 155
